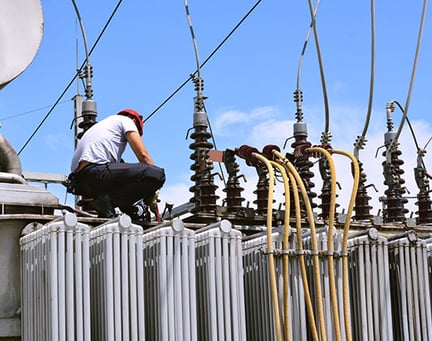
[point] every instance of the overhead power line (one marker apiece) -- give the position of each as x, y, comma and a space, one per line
29, 111
204, 62
166, 100
72, 80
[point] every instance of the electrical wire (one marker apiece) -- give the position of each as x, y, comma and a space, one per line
271, 267
330, 244
166, 100
302, 54
82, 31
360, 142
409, 123
30, 111
72, 80
88, 67
302, 263
372, 74
314, 246
418, 149
198, 68
285, 246
321, 67
345, 277
222, 173
413, 73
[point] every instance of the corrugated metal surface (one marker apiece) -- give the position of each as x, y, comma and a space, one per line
410, 283
220, 291
258, 302
370, 294
170, 295
117, 281
55, 281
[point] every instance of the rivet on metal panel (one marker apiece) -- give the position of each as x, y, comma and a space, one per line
177, 225
373, 233
225, 226
70, 219
124, 220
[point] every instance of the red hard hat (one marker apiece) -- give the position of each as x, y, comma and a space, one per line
133, 114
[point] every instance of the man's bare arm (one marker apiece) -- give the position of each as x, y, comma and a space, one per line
138, 147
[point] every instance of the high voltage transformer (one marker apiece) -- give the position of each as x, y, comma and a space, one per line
296, 268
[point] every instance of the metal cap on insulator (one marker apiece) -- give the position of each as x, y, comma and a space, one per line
300, 129
199, 119
389, 137
89, 108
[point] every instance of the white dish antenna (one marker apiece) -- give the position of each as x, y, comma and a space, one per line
21, 29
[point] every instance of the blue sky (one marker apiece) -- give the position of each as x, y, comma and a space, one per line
147, 52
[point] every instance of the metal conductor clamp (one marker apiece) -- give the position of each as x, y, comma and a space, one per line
88, 75
424, 203
298, 99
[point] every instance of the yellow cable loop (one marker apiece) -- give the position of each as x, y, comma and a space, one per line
285, 246
309, 306
272, 274
315, 256
330, 243
345, 240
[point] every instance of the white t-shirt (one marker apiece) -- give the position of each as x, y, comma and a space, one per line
104, 142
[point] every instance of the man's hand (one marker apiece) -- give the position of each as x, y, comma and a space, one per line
153, 205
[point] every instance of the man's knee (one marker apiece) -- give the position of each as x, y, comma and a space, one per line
156, 174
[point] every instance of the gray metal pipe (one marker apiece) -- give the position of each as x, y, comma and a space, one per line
12, 178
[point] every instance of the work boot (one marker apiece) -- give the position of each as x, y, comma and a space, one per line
139, 213
103, 205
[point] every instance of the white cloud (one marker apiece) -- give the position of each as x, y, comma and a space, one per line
176, 194
235, 121
227, 119
270, 132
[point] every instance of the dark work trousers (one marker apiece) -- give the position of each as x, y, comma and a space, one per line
124, 183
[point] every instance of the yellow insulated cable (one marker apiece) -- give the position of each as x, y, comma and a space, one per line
272, 274
315, 256
309, 306
330, 244
285, 246
356, 180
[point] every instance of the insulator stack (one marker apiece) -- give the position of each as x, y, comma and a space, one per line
362, 207
394, 201
204, 189
232, 189
394, 210
303, 165
325, 195
262, 192
206, 201
424, 214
